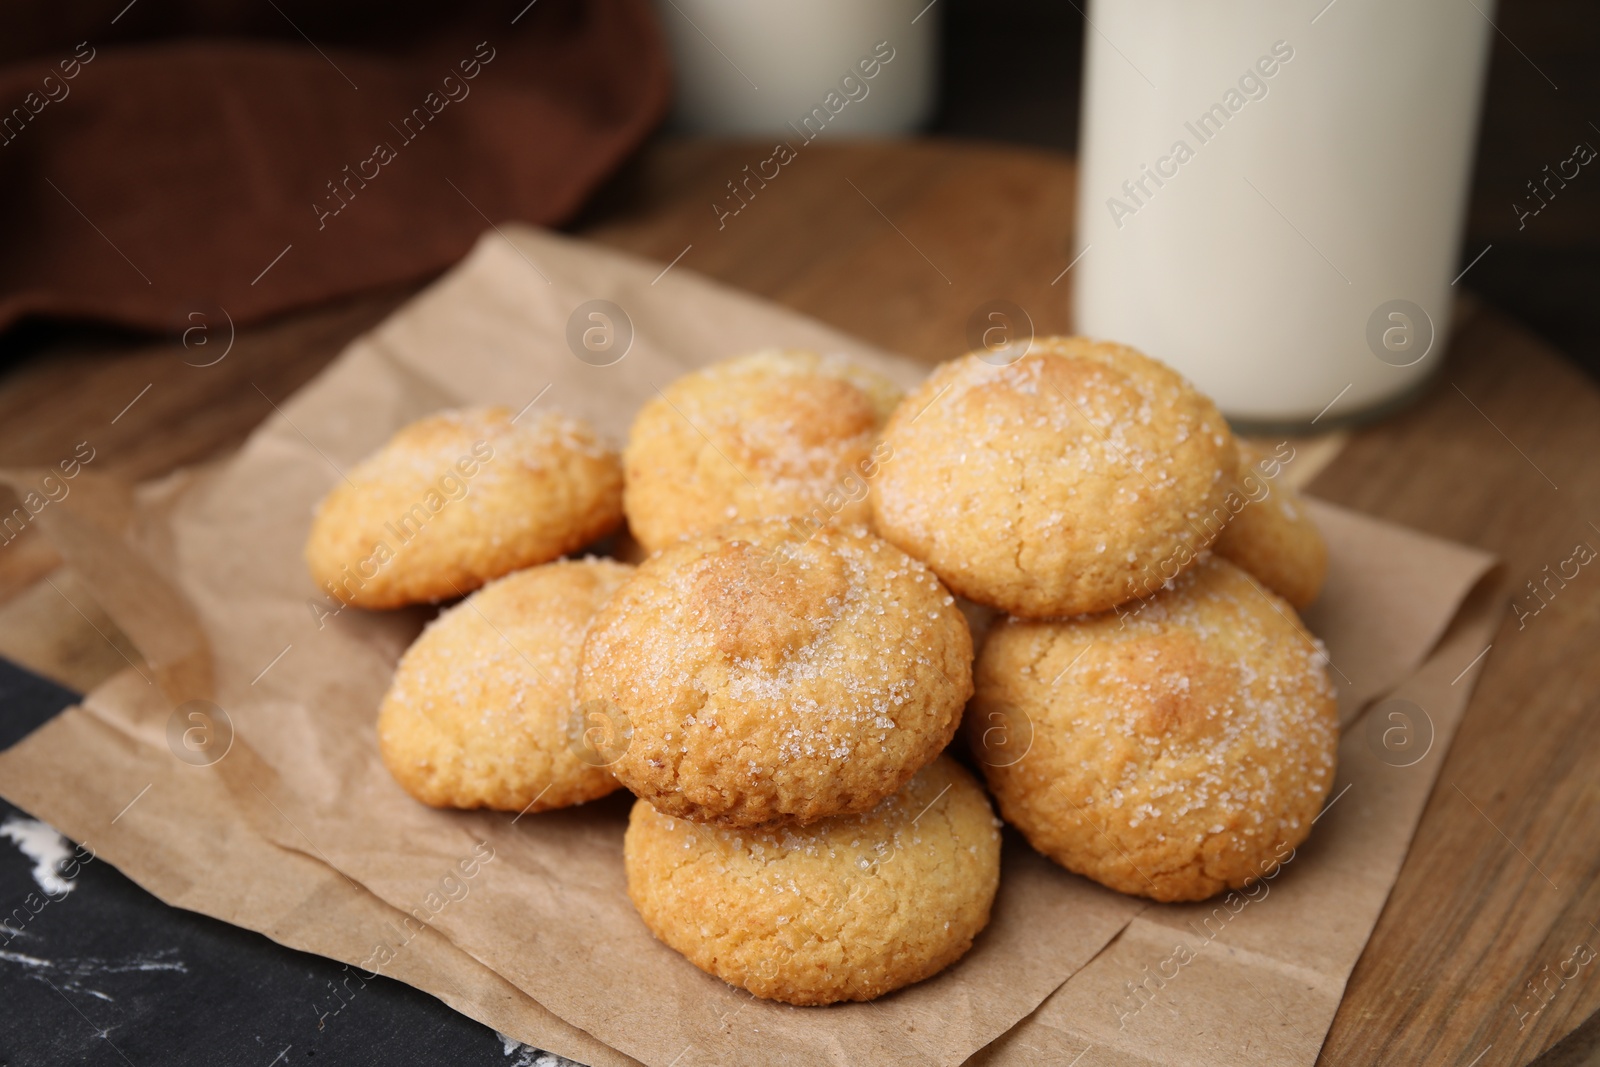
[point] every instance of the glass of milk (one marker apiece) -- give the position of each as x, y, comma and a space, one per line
1271, 196
800, 68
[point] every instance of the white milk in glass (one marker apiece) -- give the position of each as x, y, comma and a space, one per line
1274, 205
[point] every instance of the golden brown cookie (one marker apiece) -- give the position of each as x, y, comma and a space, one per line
766, 677
1272, 535
481, 711
849, 908
1173, 751
1075, 478
779, 432
459, 498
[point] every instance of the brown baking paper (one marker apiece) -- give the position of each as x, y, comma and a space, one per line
106, 776
543, 911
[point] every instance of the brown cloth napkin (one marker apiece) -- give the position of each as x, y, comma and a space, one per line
163, 167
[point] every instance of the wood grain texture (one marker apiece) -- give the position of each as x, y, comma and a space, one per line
899, 244
191, 411
1501, 881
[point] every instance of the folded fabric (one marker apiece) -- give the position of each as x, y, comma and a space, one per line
162, 170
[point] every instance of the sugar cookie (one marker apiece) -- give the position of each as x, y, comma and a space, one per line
1172, 752
779, 432
481, 710
1075, 478
766, 677
1272, 535
848, 908
459, 498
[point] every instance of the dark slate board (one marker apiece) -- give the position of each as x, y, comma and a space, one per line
107, 974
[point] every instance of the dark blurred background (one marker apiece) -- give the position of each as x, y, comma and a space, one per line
1011, 72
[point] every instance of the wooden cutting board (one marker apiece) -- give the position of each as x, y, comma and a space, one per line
900, 243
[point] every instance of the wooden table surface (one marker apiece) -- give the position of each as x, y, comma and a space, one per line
899, 243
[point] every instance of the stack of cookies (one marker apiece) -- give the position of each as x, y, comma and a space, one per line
790, 681
779, 677
1152, 714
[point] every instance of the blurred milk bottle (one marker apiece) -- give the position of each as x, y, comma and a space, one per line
1271, 195
767, 66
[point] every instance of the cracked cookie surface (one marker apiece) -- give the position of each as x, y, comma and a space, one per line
1080, 476
1273, 535
777, 432
459, 498
480, 710
848, 908
1173, 750
767, 676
